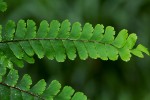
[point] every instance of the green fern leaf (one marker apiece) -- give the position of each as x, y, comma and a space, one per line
87, 32
70, 49
13, 90
131, 40
9, 31
112, 52
138, 51
91, 49
4, 61
57, 41
124, 53
79, 96
3, 6
108, 35
54, 28
12, 78
101, 51
65, 94
75, 31
98, 33
16, 49
25, 83
52, 90
120, 40
64, 30
31, 30
39, 87
21, 30
43, 30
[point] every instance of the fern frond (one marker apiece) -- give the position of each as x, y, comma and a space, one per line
3, 6
11, 89
56, 40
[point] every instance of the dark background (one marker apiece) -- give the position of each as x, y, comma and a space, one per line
99, 80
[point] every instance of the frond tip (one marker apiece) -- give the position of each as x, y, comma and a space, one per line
11, 89
56, 40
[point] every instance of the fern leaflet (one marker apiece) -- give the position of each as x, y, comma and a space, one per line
13, 90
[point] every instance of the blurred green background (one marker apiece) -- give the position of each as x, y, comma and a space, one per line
99, 80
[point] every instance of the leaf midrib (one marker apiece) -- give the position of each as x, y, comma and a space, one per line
38, 39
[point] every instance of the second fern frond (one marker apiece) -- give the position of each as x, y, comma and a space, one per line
11, 89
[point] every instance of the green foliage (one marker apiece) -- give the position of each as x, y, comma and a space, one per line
3, 6
20, 42
11, 89
56, 40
